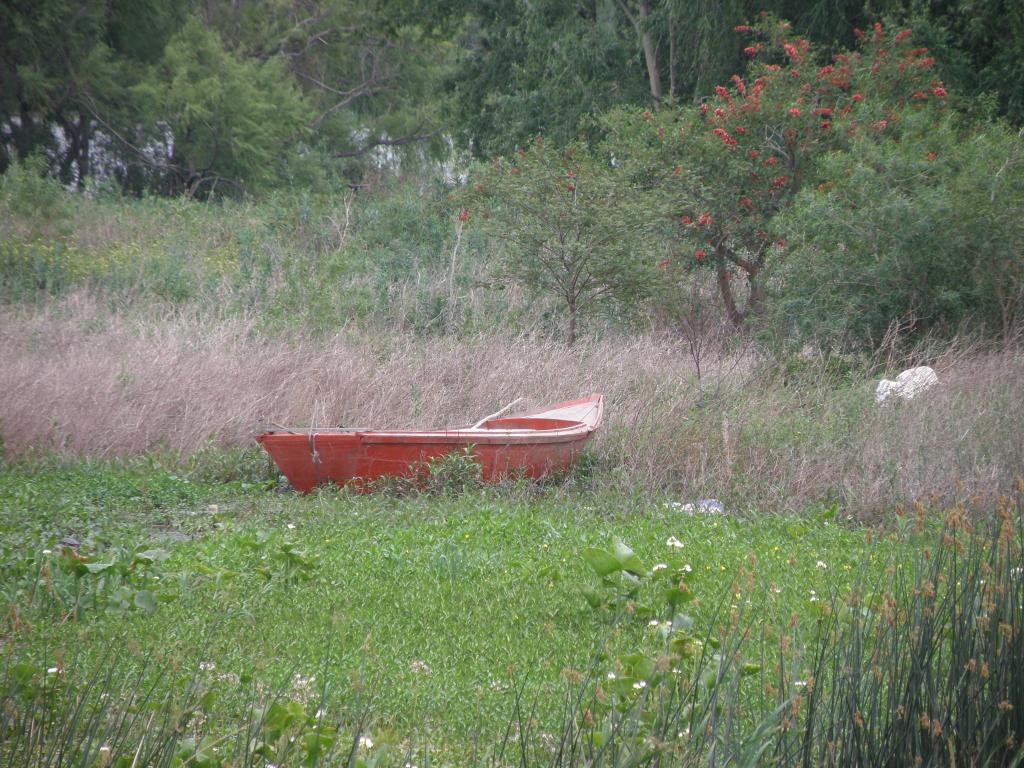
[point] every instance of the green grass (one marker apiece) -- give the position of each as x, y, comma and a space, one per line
428, 610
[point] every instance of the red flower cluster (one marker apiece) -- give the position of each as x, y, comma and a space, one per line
903, 35
794, 112
704, 220
701, 254
464, 215
779, 182
723, 134
752, 50
939, 91
685, 220
742, 28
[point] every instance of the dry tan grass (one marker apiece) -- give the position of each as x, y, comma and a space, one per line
78, 379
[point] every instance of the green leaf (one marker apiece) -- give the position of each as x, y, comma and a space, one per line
145, 600
601, 561
682, 622
676, 596
152, 555
593, 596
628, 560
97, 567
638, 666
316, 746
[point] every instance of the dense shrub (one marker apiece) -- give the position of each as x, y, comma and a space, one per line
926, 231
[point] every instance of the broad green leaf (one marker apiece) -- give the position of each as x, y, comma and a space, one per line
98, 567
152, 555
145, 600
628, 560
601, 561
593, 596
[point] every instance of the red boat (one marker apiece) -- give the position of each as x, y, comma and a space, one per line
533, 445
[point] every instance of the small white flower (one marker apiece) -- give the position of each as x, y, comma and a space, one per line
653, 623
47, 551
800, 683
673, 505
814, 596
207, 666
291, 526
674, 542
688, 568
775, 589
822, 564
612, 675
366, 742
53, 671
659, 567
640, 685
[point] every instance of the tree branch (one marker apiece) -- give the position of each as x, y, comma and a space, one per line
387, 143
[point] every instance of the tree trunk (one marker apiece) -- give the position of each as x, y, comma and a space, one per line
756, 300
647, 44
23, 136
673, 85
83, 149
572, 323
650, 55
725, 291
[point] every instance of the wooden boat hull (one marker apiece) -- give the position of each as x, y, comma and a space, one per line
532, 446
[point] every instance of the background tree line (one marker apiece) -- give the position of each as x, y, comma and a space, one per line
833, 170
232, 97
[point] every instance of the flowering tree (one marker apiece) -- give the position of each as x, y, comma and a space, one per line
566, 226
729, 166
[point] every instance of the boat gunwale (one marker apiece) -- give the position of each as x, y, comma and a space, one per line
579, 430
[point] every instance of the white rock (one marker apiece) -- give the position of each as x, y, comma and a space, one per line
907, 385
